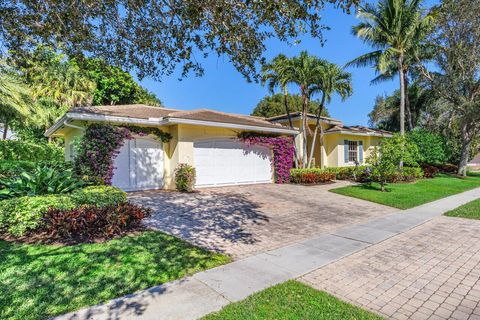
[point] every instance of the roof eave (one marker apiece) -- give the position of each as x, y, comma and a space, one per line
365, 134
160, 121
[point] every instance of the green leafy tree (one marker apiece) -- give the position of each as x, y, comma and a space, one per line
431, 146
154, 37
115, 86
274, 105
384, 160
385, 114
395, 28
456, 76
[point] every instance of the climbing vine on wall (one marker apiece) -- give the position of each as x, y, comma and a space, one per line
100, 146
283, 152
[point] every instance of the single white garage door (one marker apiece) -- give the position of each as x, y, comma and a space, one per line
228, 162
139, 165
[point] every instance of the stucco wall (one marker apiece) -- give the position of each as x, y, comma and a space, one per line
335, 148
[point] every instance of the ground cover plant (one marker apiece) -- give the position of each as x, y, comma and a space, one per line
40, 281
408, 195
291, 300
470, 210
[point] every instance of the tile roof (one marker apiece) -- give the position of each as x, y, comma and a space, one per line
298, 113
146, 112
358, 129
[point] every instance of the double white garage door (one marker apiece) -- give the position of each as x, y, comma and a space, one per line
227, 162
140, 164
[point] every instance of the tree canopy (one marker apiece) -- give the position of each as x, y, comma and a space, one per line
274, 105
153, 37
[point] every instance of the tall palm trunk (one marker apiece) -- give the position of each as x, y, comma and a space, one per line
408, 110
5, 129
402, 94
317, 126
304, 127
289, 116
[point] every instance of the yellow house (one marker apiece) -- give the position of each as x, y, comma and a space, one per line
340, 146
207, 140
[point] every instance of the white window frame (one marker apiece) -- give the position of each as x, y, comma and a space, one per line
353, 151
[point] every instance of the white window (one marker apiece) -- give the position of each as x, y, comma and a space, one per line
352, 151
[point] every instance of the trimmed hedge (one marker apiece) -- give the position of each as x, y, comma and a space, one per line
25, 151
11, 168
311, 176
21, 215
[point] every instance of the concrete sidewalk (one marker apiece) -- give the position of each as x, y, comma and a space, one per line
210, 290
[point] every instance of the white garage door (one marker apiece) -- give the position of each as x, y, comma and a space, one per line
227, 162
139, 165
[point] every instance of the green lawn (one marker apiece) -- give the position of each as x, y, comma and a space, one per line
470, 210
408, 195
291, 300
40, 281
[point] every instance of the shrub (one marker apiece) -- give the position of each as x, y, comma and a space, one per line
185, 177
11, 168
409, 174
23, 214
98, 196
429, 171
24, 151
42, 180
311, 176
357, 173
448, 168
20, 215
431, 146
89, 222
385, 160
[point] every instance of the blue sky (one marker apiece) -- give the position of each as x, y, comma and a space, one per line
223, 88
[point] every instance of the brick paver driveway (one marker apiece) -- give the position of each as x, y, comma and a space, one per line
244, 220
429, 272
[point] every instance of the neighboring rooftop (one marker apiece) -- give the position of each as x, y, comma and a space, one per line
358, 130
141, 111
296, 114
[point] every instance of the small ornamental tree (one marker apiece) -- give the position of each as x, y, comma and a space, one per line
385, 160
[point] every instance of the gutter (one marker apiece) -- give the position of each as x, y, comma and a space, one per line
63, 121
360, 134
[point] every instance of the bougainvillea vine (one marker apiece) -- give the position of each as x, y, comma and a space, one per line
283, 152
100, 146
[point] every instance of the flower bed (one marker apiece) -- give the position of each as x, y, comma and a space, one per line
311, 176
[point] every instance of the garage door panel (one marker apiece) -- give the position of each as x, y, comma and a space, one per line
139, 165
231, 162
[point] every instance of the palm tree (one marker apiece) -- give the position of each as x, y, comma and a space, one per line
331, 80
395, 28
14, 98
304, 71
273, 75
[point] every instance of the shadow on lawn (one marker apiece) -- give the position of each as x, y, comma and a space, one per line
212, 220
40, 281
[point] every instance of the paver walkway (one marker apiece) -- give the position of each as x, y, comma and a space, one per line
430, 272
245, 220
208, 291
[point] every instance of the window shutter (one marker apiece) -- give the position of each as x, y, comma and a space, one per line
360, 151
345, 151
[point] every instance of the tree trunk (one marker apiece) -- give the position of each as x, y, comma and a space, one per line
465, 151
407, 103
317, 125
305, 128
289, 116
402, 94
5, 129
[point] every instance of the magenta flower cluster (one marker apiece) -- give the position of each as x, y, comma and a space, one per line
283, 153
99, 147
